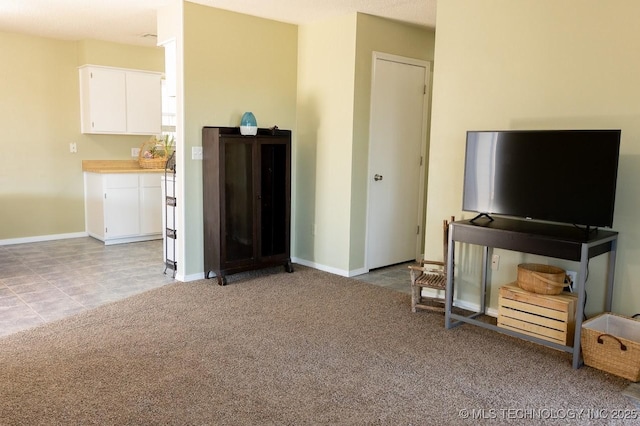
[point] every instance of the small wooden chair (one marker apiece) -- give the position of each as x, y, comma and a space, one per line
431, 274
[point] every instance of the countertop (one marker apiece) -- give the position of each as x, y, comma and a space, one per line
115, 166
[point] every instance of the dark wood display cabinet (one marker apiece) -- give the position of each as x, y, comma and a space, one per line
246, 200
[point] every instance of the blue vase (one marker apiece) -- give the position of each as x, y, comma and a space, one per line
248, 124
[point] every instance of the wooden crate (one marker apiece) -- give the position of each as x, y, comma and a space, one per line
548, 317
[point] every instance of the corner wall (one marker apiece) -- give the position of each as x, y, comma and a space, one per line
323, 155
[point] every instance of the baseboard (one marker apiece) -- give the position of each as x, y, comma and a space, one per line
474, 307
192, 277
325, 268
303, 262
127, 240
463, 304
357, 272
40, 238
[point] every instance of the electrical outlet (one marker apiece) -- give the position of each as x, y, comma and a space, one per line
196, 153
573, 277
73, 147
135, 152
495, 262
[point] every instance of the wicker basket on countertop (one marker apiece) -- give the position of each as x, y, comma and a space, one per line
541, 279
155, 152
152, 163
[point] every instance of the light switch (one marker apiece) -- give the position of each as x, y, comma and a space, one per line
196, 153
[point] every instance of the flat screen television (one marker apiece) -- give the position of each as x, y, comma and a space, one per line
566, 176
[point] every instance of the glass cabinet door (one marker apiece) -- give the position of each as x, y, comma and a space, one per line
238, 216
273, 200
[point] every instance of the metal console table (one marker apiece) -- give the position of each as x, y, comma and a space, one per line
550, 240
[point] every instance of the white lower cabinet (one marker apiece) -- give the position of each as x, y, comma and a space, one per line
150, 204
123, 207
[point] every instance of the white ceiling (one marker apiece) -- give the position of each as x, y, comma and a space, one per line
126, 21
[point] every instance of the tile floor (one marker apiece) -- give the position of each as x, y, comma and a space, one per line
395, 277
45, 281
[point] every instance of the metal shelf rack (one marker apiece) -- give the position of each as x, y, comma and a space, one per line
170, 203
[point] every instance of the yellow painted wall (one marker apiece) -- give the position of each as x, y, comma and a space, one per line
326, 76
537, 64
41, 185
98, 52
232, 63
334, 87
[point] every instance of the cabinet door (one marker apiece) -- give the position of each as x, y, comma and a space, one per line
150, 204
274, 198
238, 194
121, 205
144, 103
103, 100
94, 204
121, 212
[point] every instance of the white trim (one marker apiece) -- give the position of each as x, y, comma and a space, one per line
191, 277
106, 67
474, 307
357, 272
124, 240
492, 312
402, 59
469, 306
320, 267
40, 238
330, 269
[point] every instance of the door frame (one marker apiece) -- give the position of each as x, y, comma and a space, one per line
423, 148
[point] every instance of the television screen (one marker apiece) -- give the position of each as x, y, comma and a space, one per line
566, 176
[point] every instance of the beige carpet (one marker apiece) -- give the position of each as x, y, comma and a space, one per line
276, 348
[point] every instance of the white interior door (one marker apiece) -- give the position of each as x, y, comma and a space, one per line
396, 151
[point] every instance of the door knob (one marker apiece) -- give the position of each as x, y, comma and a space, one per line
377, 177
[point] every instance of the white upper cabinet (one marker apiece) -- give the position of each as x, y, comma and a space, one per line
120, 101
144, 103
103, 100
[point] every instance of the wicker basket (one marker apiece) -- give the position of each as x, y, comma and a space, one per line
612, 343
541, 279
150, 163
